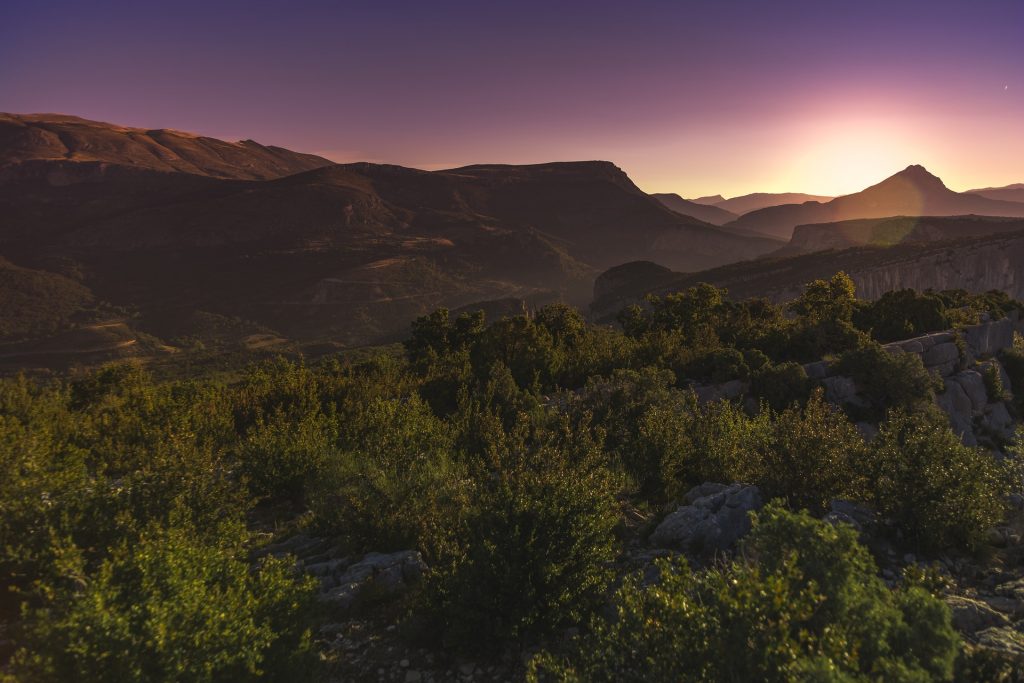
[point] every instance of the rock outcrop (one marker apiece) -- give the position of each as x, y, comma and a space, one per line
714, 518
344, 579
962, 358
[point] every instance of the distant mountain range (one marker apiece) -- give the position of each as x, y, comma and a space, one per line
1009, 193
758, 200
181, 230
117, 239
703, 212
911, 192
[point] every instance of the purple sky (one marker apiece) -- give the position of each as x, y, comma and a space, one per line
690, 97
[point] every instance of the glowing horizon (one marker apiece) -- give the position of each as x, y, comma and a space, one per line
695, 98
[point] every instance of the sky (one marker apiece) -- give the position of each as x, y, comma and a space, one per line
705, 97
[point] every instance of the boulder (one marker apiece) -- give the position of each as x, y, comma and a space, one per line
973, 385
1002, 639
839, 389
971, 616
929, 340
958, 406
384, 574
711, 522
941, 354
988, 338
856, 515
708, 488
998, 420
818, 370
913, 346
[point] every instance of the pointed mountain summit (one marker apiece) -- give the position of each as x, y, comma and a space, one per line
914, 191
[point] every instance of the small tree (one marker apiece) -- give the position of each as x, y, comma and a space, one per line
940, 492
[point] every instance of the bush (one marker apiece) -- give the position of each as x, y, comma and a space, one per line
889, 380
781, 385
811, 608
392, 485
994, 388
280, 456
717, 366
537, 549
814, 455
939, 492
164, 607
902, 314
680, 443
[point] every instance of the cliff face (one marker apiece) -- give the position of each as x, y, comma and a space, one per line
979, 267
886, 232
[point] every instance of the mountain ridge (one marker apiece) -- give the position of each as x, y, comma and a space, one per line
71, 139
706, 213
760, 200
914, 191
348, 253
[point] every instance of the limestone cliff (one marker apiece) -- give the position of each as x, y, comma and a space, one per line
976, 265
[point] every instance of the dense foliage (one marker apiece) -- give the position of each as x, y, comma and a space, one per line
505, 453
809, 606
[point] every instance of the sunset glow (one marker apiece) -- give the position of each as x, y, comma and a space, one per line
697, 98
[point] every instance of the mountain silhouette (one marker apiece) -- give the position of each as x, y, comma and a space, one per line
912, 192
759, 200
1009, 193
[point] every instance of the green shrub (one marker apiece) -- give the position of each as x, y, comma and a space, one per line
889, 380
781, 385
811, 608
723, 446
680, 443
392, 484
902, 314
166, 608
939, 492
536, 548
832, 300
994, 383
719, 365
813, 456
278, 457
